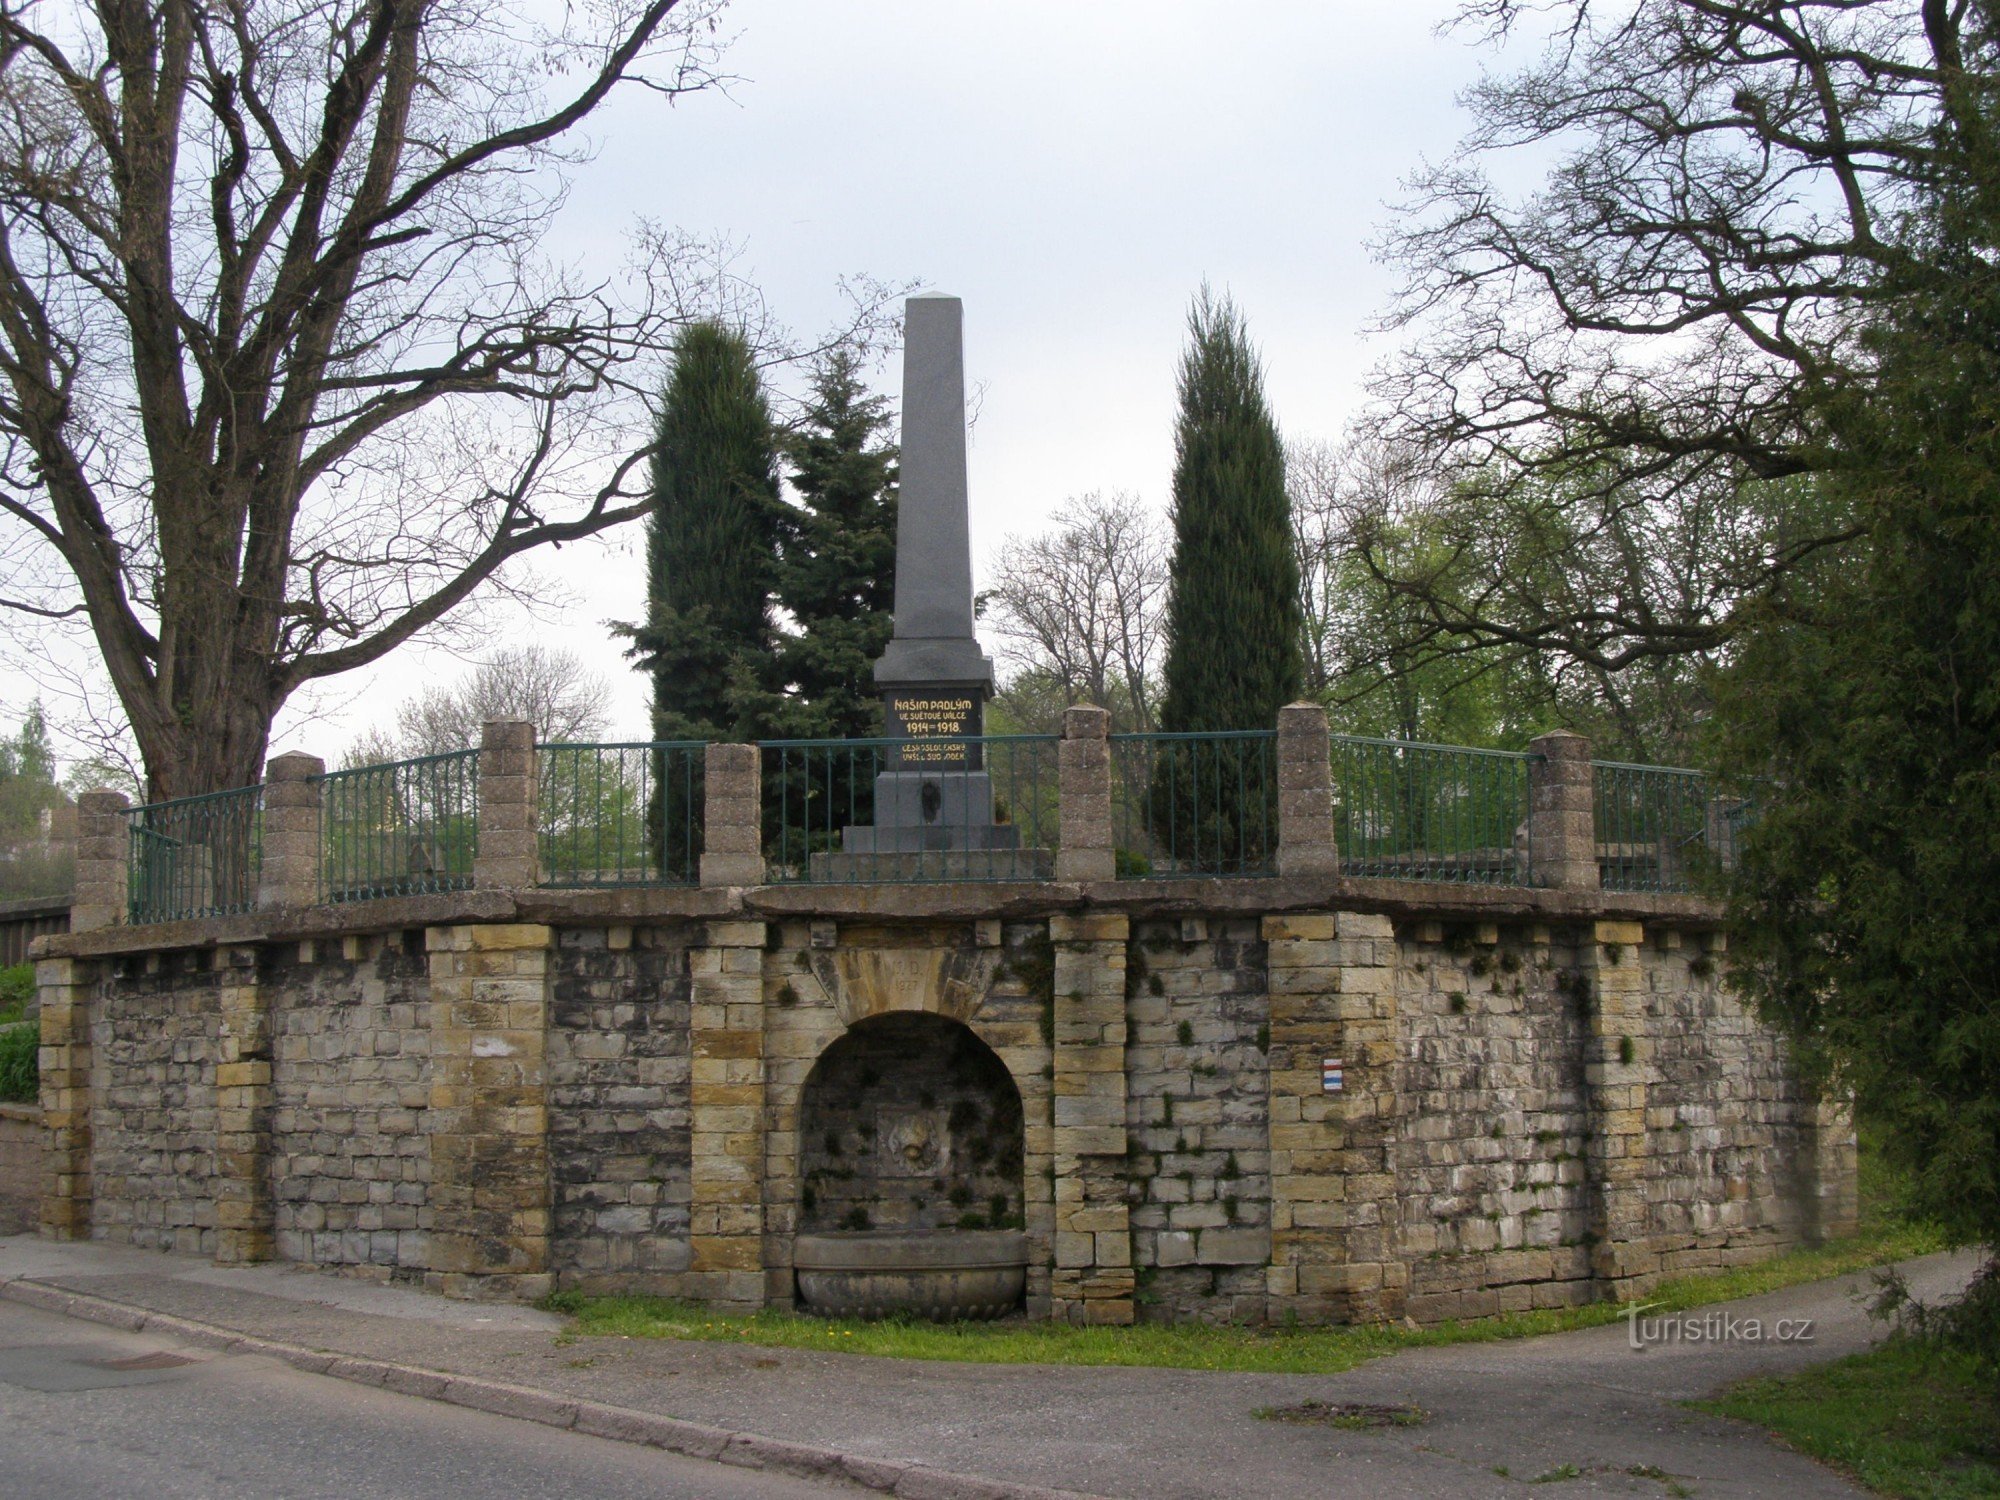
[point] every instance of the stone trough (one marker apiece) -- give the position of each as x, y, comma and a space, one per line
943, 1275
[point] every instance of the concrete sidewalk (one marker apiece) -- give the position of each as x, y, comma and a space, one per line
1501, 1414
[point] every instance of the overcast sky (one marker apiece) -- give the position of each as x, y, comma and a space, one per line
1073, 169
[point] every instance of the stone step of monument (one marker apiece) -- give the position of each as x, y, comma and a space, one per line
933, 865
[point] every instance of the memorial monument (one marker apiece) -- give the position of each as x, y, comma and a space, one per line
934, 796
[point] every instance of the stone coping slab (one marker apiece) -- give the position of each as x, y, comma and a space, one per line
1413, 900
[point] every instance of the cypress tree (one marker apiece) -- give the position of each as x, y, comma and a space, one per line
1233, 625
711, 541
1233, 587
711, 560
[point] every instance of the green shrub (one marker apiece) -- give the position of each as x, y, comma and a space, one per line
20, 1063
17, 988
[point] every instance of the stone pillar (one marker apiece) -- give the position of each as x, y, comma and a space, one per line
244, 1208
726, 1114
1562, 826
1093, 1280
1085, 850
102, 850
732, 815
1333, 995
1830, 1196
489, 1115
1618, 1067
291, 831
63, 986
1305, 793
1718, 824
509, 793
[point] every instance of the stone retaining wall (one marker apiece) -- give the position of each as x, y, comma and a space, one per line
1544, 1099
618, 1105
350, 1164
22, 1167
1198, 1109
153, 1028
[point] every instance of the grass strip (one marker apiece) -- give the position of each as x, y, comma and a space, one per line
1904, 1419
1280, 1349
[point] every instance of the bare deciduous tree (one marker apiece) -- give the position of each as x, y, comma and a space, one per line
1664, 318
1081, 602
553, 690
285, 374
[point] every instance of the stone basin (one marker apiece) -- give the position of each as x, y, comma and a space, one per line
940, 1274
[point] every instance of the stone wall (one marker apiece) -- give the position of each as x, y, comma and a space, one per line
1540, 1104
153, 1029
350, 1165
1492, 1209
1198, 1109
618, 1106
1729, 1133
21, 1167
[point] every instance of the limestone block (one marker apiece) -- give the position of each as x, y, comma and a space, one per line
1308, 927
1174, 1247
1233, 1247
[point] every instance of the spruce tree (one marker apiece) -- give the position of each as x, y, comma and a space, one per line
711, 562
837, 560
1233, 624
1232, 594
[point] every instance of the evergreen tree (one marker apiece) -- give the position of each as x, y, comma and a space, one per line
711, 541
711, 562
1866, 905
1233, 624
837, 561
1232, 596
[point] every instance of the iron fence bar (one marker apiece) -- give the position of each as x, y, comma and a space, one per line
400, 827
197, 856
1651, 825
1410, 810
620, 813
1195, 803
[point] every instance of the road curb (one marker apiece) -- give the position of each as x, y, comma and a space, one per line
906, 1481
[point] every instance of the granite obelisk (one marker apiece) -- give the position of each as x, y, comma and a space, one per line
935, 795
933, 645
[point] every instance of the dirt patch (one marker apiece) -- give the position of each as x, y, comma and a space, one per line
1353, 1416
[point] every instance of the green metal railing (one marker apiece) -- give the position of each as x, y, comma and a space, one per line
980, 808
1194, 804
1658, 828
194, 856
841, 812
621, 814
400, 829
1410, 811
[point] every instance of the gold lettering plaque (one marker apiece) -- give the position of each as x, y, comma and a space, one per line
939, 721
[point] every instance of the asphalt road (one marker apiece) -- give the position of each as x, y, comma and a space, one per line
90, 1412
